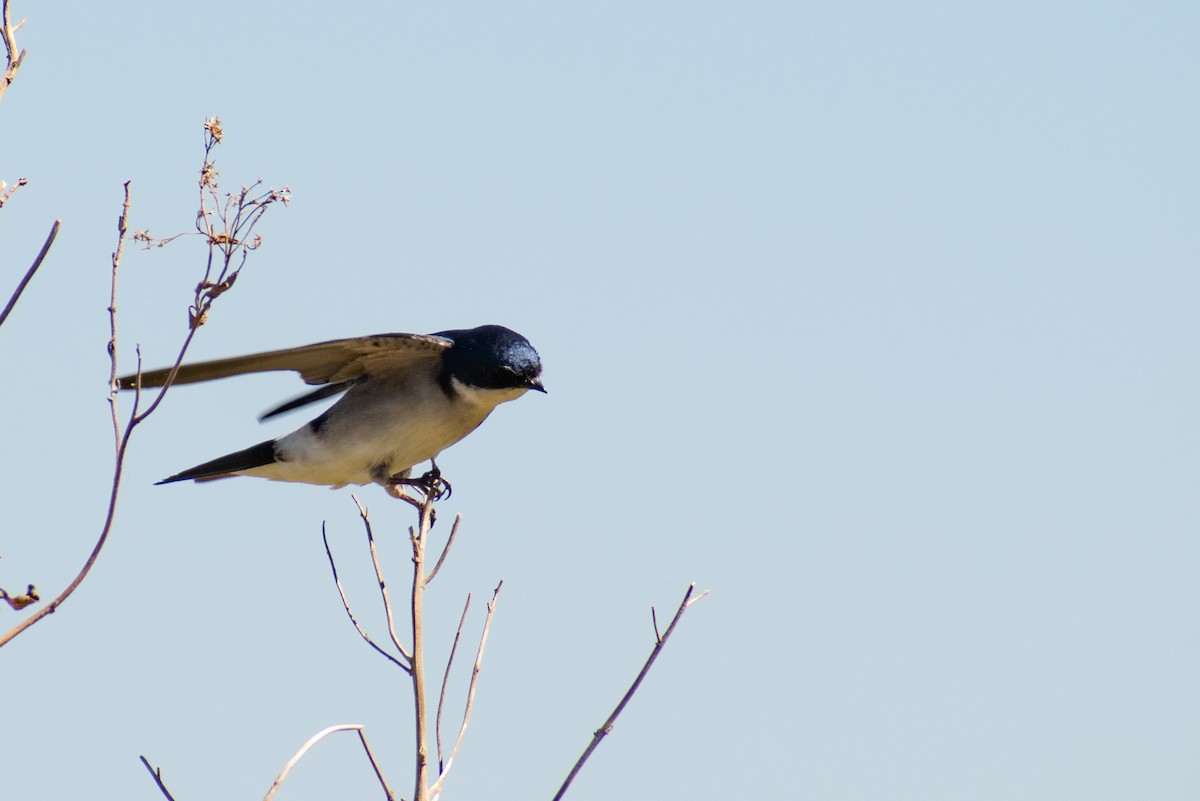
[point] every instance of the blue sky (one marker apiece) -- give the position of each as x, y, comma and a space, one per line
876, 320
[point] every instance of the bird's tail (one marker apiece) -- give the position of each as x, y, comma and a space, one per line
228, 465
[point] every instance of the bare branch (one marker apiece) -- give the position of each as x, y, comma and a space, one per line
445, 549
156, 774
230, 242
205, 300
383, 591
6, 191
419, 536
446, 679
291, 763
15, 59
604, 730
33, 268
462, 729
350, 614
118, 467
387, 791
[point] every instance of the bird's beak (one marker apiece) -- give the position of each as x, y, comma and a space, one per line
536, 383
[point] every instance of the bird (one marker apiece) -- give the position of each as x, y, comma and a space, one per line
405, 399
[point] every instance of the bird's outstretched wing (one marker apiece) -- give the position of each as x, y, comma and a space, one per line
335, 362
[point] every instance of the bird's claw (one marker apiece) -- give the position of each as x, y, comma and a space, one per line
430, 483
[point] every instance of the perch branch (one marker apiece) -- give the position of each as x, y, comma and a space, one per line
419, 536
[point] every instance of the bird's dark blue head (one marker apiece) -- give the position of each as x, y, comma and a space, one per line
491, 357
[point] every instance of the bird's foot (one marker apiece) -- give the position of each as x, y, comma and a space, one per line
430, 483
395, 489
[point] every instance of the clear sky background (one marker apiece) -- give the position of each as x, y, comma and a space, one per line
878, 320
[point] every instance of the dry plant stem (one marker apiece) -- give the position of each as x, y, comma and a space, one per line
156, 774
6, 194
445, 549
33, 268
437, 728
383, 591
122, 441
226, 242
346, 605
603, 731
313, 741
462, 729
419, 537
8, 31
415, 667
206, 294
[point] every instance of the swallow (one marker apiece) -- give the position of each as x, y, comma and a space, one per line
405, 399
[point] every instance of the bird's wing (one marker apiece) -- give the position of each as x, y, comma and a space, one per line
336, 361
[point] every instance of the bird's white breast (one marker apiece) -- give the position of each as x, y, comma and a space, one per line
383, 425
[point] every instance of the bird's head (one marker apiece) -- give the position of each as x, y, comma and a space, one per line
492, 357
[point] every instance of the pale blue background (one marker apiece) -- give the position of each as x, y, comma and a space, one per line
879, 320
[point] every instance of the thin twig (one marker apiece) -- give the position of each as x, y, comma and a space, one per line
362, 736
604, 730
346, 605
231, 241
207, 296
6, 192
33, 268
156, 774
291, 763
138, 417
122, 441
445, 549
462, 729
445, 680
15, 59
383, 591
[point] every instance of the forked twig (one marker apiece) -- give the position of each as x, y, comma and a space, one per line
156, 774
462, 729
6, 192
346, 605
33, 268
291, 763
383, 590
122, 438
437, 728
415, 659
603, 731
7, 32
122, 441
238, 216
